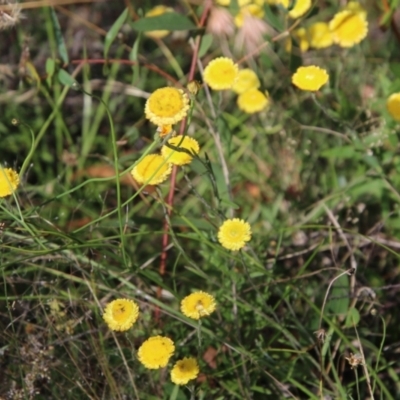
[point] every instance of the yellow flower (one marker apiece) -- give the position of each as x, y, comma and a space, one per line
300, 8
184, 370
221, 73
356, 8
246, 79
393, 106
167, 106
252, 10
121, 314
151, 170
234, 233
310, 78
349, 27
198, 305
301, 37
156, 351
9, 181
320, 36
252, 101
154, 12
180, 157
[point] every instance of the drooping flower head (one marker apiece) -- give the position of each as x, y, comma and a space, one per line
252, 101
234, 233
221, 73
310, 78
156, 351
393, 106
175, 157
164, 130
151, 170
198, 305
9, 181
349, 27
167, 106
121, 314
184, 370
155, 12
320, 35
246, 79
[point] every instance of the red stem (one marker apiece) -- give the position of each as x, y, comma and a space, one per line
170, 199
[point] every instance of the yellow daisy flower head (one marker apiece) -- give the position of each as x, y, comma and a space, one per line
9, 181
121, 314
167, 106
392, 104
184, 371
252, 10
155, 12
348, 27
300, 8
156, 351
357, 8
176, 157
234, 233
310, 78
198, 305
252, 101
221, 73
320, 35
246, 79
151, 170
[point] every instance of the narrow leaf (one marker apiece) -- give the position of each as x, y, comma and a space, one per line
113, 32
61, 47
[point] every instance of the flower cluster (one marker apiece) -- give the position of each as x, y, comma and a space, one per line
222, 74
156, 351
346, 29
166, 106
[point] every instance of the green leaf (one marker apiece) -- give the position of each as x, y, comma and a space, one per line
352, 318
66, 79
206, 42
133, 56
169, 21
50, 68
62, 49
339, 296
272, 19
113, 32
341, 152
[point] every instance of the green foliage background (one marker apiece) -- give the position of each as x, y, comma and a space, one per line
315, 176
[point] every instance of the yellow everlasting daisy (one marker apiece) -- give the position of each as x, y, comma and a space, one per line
198, 305
164, 130
221, 73
176, 157
320, 35
252, 101
234, 233
151, 170
310, 78
393, 106
246, 79
155, 12
9, 181
156, 351
300, 8
121, 314
349, 27
184, 371
167, 106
